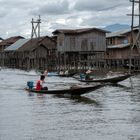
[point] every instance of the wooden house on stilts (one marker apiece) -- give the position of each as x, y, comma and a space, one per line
81, 48
37, 53
6, 43
119, 47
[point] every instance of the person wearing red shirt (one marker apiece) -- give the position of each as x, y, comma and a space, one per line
39, 84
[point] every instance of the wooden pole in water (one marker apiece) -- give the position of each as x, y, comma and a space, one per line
132, 39
135, 41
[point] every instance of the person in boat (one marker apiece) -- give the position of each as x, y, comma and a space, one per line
66, 72
39, 84
61, 72
46, 72
82, 76
88, 74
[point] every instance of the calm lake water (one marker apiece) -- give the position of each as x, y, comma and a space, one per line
109, 113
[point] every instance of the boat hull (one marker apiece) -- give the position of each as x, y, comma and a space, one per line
72, 91
110, 80
67, 75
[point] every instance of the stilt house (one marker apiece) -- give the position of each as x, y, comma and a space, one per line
37, 53
4, 44
80, 48
119, 47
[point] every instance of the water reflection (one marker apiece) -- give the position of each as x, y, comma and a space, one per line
79, 99
120, 86
135, 97
74, 99
30, 94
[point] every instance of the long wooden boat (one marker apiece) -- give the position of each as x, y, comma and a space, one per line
72, 90
67, 75
61, 75
110, 80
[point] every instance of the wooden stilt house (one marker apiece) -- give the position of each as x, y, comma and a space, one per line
37, 53
12, 59
4, 44
119, 47
80, 48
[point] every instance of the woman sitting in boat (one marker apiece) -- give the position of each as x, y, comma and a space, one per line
39, 84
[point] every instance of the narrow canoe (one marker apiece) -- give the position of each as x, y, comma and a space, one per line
110, 80
72, 91
61, 75
67, 75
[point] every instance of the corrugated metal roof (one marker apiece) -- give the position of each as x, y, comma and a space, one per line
31, 44
36, 42
77, 31
119, 33
11, 40
118, 46
17, 45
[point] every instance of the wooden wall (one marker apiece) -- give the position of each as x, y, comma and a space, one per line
92, 41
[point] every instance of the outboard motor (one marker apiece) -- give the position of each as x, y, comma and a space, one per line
30, 84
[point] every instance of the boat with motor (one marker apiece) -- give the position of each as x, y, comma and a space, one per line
114, 79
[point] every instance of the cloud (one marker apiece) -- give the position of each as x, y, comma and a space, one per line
98, 5
15, 4
53, 8
102, 12
3, 13
102, 18
16, 15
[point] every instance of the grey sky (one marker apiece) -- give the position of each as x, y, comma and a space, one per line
16, 15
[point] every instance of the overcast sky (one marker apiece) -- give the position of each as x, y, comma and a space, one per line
16, 15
